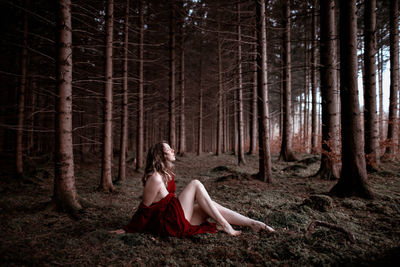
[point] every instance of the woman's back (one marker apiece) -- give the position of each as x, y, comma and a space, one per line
155, 189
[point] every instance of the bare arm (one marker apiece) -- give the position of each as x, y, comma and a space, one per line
154, 189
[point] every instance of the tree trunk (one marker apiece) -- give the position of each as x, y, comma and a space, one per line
314, 123
200, 129
140, 137
106, 173
265, 172
281, 92
392, 134
241, 159
353, 178
286, 153
329, 168
220, 133
172, 137
306, 98
225, 118
21, 98
124, 120
306, 83
64, 195
380, 79
253, 104
235, 129
182, 137
370, 112
32, 134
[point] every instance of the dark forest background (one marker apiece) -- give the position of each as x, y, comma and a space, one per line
93, 84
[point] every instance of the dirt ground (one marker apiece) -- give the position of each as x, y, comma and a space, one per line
31, 234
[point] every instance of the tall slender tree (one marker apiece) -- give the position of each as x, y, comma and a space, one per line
235, 129
265, 172
220, 88
380, 82
392, 134
353, 178
200, 123
21, 97
171, 102
314, 115
65, 196
286, 153
182, 130
241, 159
329, 167
253, 103
306, 92
124, 119
106, 170
370, 110
139, 135
225, 146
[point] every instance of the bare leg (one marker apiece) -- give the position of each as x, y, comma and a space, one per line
195, 191
199, 217
238, 219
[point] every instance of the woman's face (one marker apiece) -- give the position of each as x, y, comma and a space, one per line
169, 153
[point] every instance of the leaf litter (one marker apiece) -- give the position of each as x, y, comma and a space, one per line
31, 234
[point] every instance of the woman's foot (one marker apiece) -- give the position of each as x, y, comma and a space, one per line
260, 226
228, 229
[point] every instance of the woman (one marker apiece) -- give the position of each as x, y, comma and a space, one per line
160, 212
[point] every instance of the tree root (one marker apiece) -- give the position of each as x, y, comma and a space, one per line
325, 173
315, 223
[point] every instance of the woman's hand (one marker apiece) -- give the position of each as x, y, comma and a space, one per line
118, 232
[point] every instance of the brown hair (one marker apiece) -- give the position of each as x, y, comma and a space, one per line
156, 162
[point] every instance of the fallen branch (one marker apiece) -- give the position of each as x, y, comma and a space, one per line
315, 223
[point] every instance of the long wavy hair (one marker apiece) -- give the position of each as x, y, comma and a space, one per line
156, 162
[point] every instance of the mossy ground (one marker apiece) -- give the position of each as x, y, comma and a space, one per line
32, 234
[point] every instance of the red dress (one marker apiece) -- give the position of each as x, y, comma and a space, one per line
166, 218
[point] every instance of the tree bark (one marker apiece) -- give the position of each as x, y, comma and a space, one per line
265, 172
124, 120
314, 123
182, 137
380, 80
281, 97
329, 168
306, 97
353, 178
171, 103
253, 103
370, 111
226, 124
32, 135
235, 121
19, 165
64, 193
392, 134
140, 137
200, 129
286, 153
220, 88
241, 159
106, 172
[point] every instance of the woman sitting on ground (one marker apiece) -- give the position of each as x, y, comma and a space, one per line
160, 212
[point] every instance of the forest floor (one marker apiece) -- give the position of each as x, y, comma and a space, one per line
33, 235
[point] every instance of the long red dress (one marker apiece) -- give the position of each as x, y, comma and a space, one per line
166, 218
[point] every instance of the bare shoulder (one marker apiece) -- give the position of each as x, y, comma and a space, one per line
155, 180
